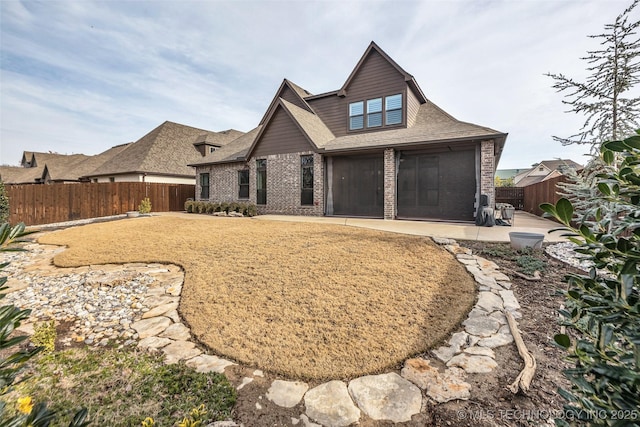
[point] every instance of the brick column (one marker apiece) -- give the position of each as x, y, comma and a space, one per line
389, 184
487, 170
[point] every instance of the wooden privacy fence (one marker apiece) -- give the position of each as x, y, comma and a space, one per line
36, 204
512, 195
542, 192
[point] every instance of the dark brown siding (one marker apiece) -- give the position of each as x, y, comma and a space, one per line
375, 78
288, 95
413, 105
281, 136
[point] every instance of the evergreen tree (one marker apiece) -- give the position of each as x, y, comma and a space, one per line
604, 98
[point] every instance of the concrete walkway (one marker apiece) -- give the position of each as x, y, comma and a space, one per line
523, 222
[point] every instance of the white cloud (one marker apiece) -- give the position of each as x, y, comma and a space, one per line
83, 76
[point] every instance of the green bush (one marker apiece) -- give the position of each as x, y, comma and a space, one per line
4, 204
188, 206
44, 336
224, 207
211, 207
200, 207
529, 264
252, 210
145, 206
603, 306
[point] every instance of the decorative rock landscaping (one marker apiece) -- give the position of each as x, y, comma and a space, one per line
136, 304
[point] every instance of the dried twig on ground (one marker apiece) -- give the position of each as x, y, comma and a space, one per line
523, 380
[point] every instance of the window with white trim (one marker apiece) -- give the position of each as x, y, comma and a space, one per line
374, 112
356, 115
393, 109
377, 113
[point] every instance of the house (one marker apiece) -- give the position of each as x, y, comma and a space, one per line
159, 156
545, 170
162, 155
376, 147
47, 168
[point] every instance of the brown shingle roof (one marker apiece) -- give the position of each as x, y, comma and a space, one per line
311, 125
61, 170
432, 125
218, 138
235, 151
19, 175
166, 150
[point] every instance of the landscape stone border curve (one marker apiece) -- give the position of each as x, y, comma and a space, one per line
148, 318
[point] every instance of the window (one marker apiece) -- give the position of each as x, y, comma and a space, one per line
243, 184
392, 112
356, 115
261, 181
306, 187
374, 112
204, 186
112, 179
393, 108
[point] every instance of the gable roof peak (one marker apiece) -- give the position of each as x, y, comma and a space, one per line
297, 90
373, 46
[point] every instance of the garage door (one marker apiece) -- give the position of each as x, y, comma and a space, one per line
437, 185
357, 186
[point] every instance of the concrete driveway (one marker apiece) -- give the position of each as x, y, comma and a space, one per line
523, 222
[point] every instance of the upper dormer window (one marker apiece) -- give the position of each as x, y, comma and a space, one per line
392, 112
393, 106
356, 115
374, 112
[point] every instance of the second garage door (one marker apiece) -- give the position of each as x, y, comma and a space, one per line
437, 185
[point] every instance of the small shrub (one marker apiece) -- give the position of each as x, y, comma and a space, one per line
500, 251
188, 206
44, 336
210, 208
224, 207
529, 264
145, 206
242, 208
252, 210
234, 207
200, 207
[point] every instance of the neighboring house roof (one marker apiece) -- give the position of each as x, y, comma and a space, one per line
508, 173
236, 151
545, 170
19, 175
47, 167
166, 150
71, 170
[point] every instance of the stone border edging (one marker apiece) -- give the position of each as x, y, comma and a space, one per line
335, 403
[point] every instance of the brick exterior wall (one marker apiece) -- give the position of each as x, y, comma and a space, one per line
223, 182
389, 184
487, 170
284, 176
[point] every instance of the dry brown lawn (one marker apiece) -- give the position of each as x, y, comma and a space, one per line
307, 301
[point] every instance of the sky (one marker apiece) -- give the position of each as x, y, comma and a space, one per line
82, 76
